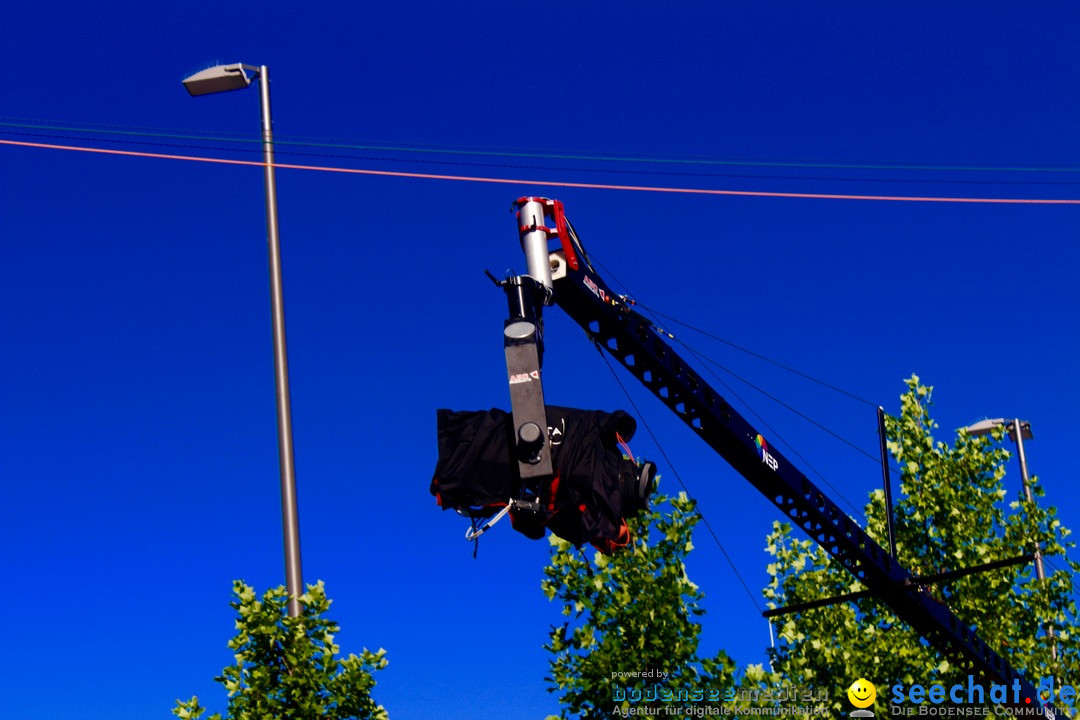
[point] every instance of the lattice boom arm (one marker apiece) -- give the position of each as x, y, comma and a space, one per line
635, 343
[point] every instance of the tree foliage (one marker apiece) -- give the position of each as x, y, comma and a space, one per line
287, 667
951, 514
633, 612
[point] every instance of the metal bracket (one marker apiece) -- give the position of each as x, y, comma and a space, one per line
523, 344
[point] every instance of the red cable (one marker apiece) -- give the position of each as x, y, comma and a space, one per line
555, 183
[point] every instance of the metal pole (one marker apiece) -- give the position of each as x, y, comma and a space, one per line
888, 484
290, 519
1040, 572
534, 238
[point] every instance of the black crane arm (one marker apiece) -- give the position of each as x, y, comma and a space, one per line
634, 342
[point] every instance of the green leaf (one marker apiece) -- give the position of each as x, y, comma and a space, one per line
288, 666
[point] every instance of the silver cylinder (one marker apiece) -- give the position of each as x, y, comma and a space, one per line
534, 243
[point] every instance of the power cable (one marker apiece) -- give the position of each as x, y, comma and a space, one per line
282, 149
492, 152
564, 184
254, 151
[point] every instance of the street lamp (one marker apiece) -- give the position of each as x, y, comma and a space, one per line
223, 78
1019, 430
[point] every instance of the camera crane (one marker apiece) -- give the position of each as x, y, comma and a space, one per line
566, 277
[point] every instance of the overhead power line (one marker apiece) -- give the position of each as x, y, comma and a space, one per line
557, 183
431, 156
346, 144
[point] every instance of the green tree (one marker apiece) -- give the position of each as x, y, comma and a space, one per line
287, 667
951, 514
633, 612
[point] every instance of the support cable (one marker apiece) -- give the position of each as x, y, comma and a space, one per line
778, 401
759, 356
678, 477
773, 431
704, 359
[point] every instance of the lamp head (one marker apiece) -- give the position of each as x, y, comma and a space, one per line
220, 78
984, 427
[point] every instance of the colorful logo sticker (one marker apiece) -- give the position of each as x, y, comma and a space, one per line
763, 450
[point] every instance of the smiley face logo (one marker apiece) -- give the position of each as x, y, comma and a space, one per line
862, 693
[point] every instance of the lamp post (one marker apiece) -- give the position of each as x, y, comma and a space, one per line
1019, 430
223, 78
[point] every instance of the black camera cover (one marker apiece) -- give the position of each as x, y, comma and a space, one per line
594, 490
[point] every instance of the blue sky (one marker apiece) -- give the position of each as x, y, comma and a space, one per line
138, 444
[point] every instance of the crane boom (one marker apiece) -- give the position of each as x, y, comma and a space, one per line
635, 343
